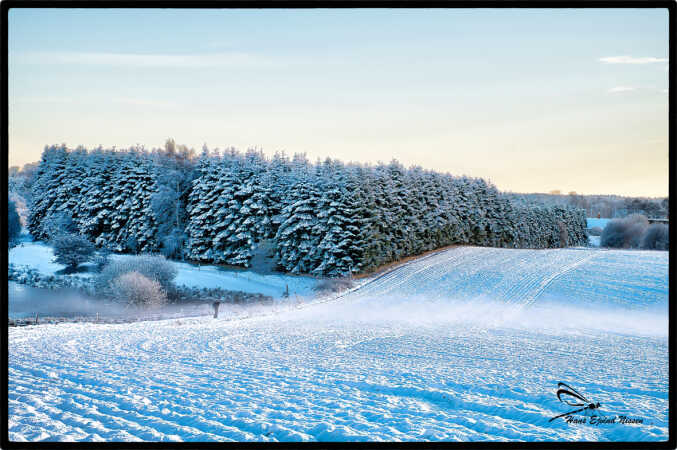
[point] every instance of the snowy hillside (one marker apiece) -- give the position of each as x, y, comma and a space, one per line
589, 277
466, 344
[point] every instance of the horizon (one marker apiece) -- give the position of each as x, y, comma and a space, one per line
315, 161
532, 100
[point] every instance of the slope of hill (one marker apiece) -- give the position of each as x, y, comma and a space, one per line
466, 344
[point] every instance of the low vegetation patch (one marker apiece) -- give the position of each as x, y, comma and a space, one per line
634, 231
152, 267
333, 285
657, 237
72, 250
595, 231
188, 294
28, 276
135, 289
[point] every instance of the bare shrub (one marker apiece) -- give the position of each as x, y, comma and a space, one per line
153, 267
595, 231
657, 237
638, 219
332, 285
135, 289
624, 233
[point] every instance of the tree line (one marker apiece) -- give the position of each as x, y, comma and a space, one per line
603, 206
324, 218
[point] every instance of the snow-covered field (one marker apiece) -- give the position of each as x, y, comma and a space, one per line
595, 241
595, 222
38, 255
466, 344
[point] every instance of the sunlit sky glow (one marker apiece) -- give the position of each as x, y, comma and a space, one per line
533, 100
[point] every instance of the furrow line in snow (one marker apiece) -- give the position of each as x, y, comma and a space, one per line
547, 281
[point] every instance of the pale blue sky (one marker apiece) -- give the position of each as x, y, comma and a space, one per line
534, 100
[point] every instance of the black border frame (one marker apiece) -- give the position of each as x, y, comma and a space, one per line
5, 7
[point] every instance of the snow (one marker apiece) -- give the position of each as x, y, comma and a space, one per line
595, 241
592, 222
462, 345
244, 280
595, 222
603, 278
39, 256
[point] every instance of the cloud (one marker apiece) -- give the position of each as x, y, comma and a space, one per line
148, 60
632, 60
644, 89
617, 89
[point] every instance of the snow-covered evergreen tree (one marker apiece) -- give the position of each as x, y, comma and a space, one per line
94, 212
242, 219
326, 218
45, 191
130, 224
202, 202
297, 238
276, 181
338, 222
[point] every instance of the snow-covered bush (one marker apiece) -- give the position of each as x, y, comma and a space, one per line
595, 231
23, 274
614, 234
624, 233
153, 267
657, 237
187, 293
72, 250
333, 285
29, 276
102, 259
172, 245
136, 289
